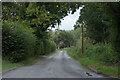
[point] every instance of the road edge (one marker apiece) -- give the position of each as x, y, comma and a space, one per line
94, 70
11, 69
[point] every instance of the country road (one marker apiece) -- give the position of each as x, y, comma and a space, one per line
57, 65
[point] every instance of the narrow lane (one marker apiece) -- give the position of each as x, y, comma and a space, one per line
57, 65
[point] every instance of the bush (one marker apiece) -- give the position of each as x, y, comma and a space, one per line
45, 46
18, 41
74, 51
102, 52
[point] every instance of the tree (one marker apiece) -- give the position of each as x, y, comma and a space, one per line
39, 15
64, 39
102, 23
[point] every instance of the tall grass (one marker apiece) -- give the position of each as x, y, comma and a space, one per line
102, 52
101, 57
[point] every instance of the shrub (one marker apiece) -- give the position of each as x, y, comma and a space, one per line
102, 52
74, 50
39, 47
18, 41
45, 46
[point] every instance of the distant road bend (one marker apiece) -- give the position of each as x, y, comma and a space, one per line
57, 65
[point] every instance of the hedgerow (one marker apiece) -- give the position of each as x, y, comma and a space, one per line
18, 41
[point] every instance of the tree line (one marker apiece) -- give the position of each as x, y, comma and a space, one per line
26, 27
100, 23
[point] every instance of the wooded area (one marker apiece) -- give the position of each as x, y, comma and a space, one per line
101, 21
95, 40
26, 27
27, 30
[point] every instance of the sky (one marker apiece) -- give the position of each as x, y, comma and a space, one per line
69, 21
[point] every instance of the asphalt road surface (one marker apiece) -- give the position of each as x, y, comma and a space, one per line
57, 65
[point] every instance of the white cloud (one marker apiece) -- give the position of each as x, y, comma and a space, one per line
69, 21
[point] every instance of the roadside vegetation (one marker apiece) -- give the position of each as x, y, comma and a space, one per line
29, 61
26, 27
98, 27
99, 57
97, 62
95, 40
0, 63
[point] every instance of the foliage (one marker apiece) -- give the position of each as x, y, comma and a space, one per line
101, 21
77, 36
94, 63
18, 41
105, 52
6, 64
74, 51
63, 39
45, 46
39, 15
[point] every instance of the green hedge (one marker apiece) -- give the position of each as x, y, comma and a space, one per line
18, 41
45, 46
101, 57
102, 52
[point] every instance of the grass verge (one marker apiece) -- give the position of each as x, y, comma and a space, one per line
7, 64
94, 64
0, 63
99, 66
